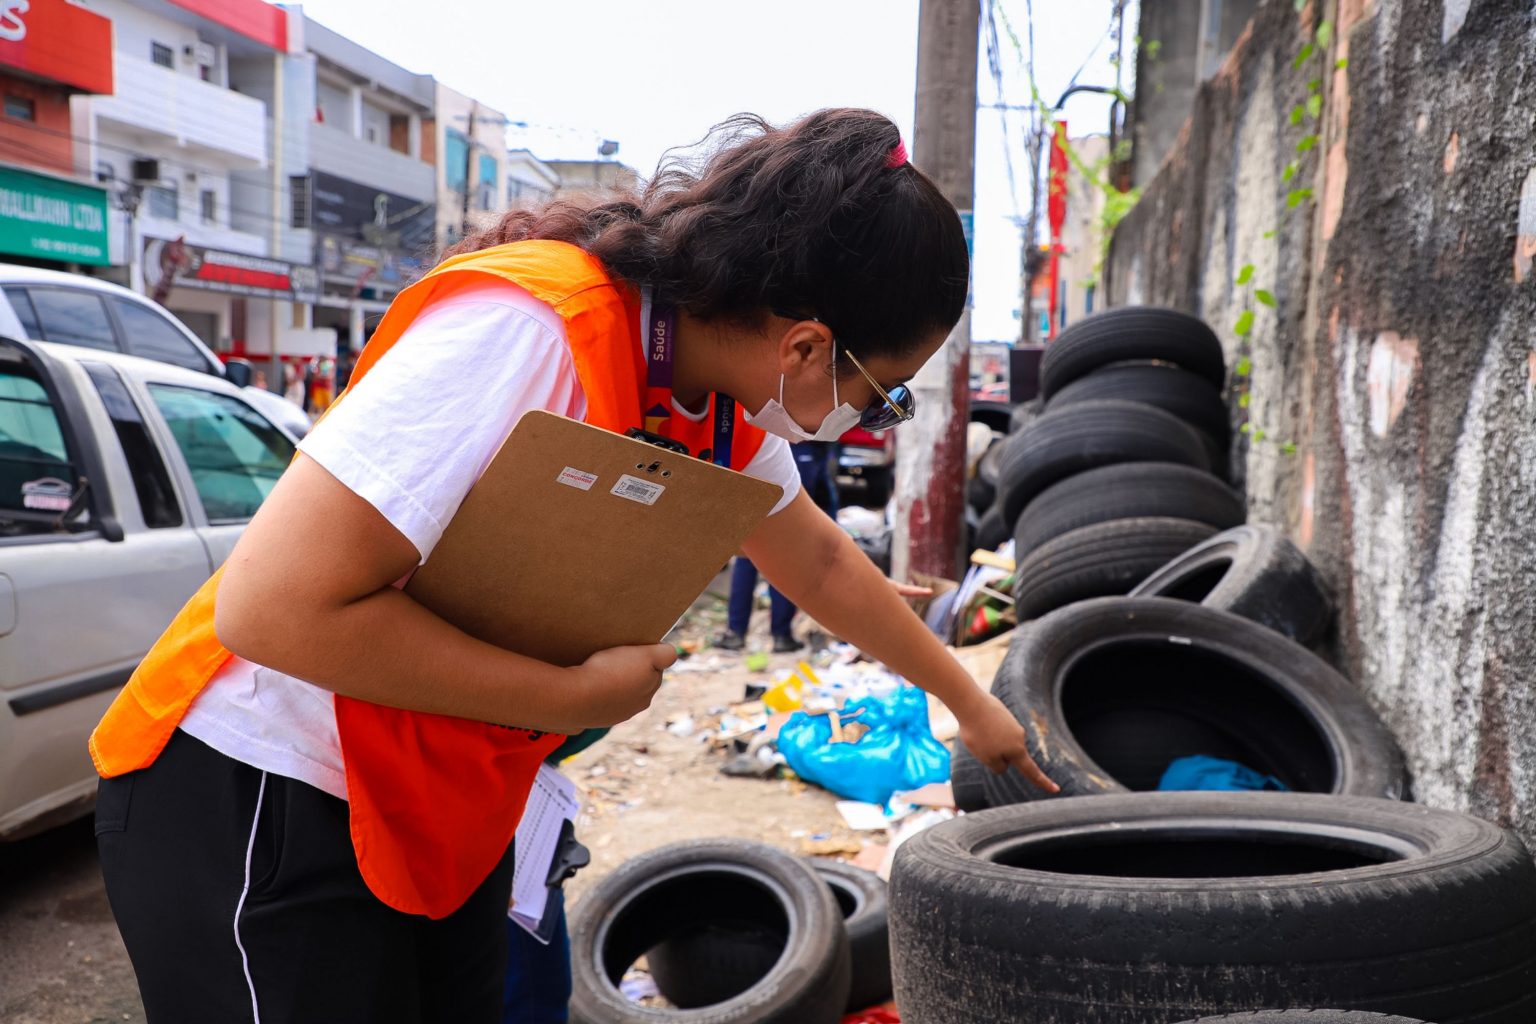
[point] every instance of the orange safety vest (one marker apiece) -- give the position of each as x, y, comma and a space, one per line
434, 800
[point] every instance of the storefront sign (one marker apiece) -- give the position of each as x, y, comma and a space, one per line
257, 20
175, 264
57, 41
354, 267
361, 213
52, 219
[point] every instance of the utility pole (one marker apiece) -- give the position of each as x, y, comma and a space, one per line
469, 162
930, 451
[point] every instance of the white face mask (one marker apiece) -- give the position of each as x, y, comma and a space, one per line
775, 419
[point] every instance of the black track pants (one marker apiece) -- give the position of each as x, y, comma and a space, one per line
240, 901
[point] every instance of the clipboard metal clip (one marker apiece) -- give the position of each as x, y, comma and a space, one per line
657, 440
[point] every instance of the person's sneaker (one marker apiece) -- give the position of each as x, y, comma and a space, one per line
786, 645
729, 641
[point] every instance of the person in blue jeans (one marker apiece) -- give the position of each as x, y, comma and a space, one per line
817, 463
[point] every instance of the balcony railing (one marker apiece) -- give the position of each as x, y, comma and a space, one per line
227, 126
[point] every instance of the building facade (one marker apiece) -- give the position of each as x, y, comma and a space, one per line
372, 182
186, 144
530, 181
51, 215
471, 144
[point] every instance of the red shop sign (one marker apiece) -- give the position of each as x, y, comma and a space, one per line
57, 41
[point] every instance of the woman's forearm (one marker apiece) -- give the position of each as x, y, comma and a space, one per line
843, 590
387, 649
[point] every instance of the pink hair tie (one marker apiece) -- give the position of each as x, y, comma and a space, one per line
897, 156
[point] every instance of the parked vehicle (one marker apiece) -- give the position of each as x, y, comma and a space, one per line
870, 459
123, 483
72, 309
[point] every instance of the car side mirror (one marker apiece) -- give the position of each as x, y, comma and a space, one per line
238, 372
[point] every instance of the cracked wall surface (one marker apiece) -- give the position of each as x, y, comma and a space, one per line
1400, 357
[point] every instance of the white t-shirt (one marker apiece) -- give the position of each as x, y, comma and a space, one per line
411, 439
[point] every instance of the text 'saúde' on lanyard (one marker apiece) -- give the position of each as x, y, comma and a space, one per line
660, 340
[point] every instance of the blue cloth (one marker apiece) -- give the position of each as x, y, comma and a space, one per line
538, 980
1201, 772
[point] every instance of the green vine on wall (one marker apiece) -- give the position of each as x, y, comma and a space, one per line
1308, 108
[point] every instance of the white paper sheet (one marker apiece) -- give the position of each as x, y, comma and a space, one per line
551, 801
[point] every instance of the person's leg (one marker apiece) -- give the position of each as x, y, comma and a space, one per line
320, 946
463, 957
173, 840
781, 614
538, 984
743, 583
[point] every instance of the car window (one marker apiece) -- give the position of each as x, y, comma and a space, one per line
151, 479
150, 335
22, 304
36, 477
234, 454
73, 318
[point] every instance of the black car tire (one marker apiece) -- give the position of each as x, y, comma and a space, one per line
980, 493
1088, 435
1188, 396
1307, 1017
1252, 571
967, 779
1110, 692
994, 414
1132, 334
1024, 413
1103, 560
992, 530
779, 915
861, 896
693, 973
1153, 907
1129, 490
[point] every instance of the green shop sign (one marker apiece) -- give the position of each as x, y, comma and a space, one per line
50, 219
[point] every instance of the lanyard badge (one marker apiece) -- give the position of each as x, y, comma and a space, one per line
659, 334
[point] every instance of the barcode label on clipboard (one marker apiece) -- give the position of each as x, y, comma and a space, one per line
577, 479
635, 489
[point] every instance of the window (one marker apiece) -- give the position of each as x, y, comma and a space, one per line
162, 55
235, 455
164, 201
210, 206
21, 108
150, 335
486, 182
22, 304
298, 201
35, 474
73, 318
455, 159
157, 499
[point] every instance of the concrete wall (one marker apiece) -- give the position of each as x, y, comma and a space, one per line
1400, 359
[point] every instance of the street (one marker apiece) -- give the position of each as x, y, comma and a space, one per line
61, 961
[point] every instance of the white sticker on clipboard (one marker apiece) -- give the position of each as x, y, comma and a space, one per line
577, 479
635, 489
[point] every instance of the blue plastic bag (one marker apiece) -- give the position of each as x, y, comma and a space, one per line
1201, 772
897, 753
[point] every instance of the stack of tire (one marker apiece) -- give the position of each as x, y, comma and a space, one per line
732, 932
1123, 468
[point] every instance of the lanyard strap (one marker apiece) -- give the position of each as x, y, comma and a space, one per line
659, 334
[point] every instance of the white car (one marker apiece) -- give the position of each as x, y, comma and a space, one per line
124, 483
72, 309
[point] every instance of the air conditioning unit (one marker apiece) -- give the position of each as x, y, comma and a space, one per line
146, 171
201, 54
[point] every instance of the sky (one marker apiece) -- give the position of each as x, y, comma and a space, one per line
655, 74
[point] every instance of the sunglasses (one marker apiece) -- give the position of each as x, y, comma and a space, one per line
887, 408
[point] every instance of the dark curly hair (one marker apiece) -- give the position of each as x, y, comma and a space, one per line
809, 218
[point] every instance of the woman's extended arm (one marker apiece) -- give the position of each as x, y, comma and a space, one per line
307, 591
810, 560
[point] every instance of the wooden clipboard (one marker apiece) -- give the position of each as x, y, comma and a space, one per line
577, 539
